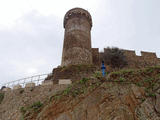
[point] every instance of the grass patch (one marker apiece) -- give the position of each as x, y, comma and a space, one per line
67, 90
1, 97
139, 84
80, 87
123, 71
145, 77
97, 74
23, 110
83, 80
56, 97
143, 99
151, 94
149, 80
34, 108
121, 79
149, 69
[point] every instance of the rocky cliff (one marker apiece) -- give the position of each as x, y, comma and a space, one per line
122, 95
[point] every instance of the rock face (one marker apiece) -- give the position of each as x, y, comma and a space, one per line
123, 95
77, 38
110, 101
14, 100
157, 106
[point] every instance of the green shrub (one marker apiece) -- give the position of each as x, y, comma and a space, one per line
28, 110
147, 90
35, 106
76, 92
151, 95
139, 84
22, 117
23, 110
143, 99
1, 97
83, 80
67, 90
114, 57
149, 70
97, 74
56, 97
121, 79
148, 80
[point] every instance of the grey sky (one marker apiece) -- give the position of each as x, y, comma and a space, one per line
31, 32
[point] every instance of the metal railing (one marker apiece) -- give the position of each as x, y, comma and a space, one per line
37, 79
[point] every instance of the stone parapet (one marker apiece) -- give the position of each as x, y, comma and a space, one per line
6, 89
45, 83
64, 81
17, 87
77, 12
145, 60
30, 85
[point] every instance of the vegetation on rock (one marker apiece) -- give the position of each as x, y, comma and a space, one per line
30, 110
1, 96
128, 87
147, 77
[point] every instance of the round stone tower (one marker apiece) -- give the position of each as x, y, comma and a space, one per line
77, 38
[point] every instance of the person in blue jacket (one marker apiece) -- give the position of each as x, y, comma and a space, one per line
103, 68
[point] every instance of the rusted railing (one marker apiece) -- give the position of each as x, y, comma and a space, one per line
37, 80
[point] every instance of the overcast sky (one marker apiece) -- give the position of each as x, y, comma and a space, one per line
31, 31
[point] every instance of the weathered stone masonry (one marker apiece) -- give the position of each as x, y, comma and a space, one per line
146, 59
77, 38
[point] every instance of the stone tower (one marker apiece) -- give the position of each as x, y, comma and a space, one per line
77, 38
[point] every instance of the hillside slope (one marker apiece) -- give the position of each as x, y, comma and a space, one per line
123, 95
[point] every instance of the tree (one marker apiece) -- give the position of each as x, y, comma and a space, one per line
114, 57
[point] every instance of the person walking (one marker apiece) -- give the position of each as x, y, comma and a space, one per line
103, 68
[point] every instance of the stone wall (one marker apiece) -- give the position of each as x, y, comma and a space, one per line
95, 56
146, 59
134, 61
73, 72
15, 99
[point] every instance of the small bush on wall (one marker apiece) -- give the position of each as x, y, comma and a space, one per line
1, 97
114, 57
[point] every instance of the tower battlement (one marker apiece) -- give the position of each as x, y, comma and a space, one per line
77, 13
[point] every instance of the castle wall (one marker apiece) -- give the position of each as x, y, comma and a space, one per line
14, 100
73, 72
95, 56
146, 59
148, 54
